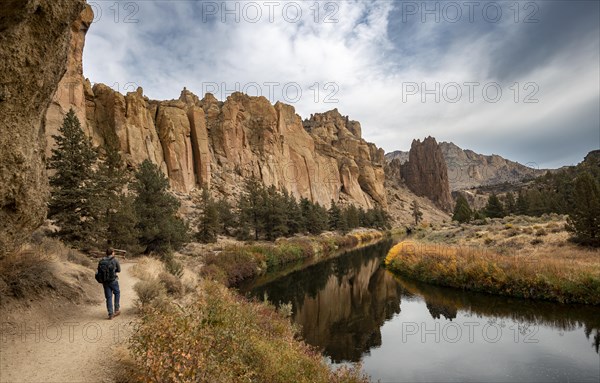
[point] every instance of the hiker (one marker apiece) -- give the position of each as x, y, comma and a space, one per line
108, 267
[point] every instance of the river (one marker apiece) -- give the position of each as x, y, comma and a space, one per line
402, 330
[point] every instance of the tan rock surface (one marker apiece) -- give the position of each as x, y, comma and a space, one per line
34, 51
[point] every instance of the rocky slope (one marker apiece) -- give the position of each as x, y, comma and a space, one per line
34, 50
425, 172
467, 169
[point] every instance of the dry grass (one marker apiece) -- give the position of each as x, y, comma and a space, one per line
221, 337
571, 275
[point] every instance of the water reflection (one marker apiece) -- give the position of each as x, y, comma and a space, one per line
350, 307
341, 304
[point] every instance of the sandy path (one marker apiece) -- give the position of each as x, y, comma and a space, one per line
78, 347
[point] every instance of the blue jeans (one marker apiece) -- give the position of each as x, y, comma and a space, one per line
111, 288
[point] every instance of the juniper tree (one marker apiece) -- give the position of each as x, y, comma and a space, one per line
462, 210
161, 230
208, 225
584, 218
118, 220
74, 191
275, 217
227, 219
251, 207
334, 215
494, 208
522, 203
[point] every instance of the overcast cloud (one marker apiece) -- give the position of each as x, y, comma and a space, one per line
372, 60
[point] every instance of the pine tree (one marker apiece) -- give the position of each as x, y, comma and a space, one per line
494, 208
118, 220
275, 219
227, 218
334, 215
72, 203
252, 206
416, 211
522, 204
510, 203
122, 232
161, 230
208, 225
584, 218
462, 210
352, 217
294, 214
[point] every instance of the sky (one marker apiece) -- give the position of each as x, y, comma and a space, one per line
518, 79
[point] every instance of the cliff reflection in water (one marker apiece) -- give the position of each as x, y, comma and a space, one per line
342, 303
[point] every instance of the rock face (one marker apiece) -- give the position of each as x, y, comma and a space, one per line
426, 174
205, 141
467, 169
35, 38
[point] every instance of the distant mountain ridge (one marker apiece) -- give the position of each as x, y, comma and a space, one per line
467, 169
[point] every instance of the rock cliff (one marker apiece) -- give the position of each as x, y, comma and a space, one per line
426, 174
207, 141
467, 169
35, 38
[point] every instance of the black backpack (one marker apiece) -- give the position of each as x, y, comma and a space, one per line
106, 271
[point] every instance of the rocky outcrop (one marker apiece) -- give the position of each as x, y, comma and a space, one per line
35, 38
426, 174
467, 169
220, 144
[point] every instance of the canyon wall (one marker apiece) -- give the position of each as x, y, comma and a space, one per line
221, 143
35, 37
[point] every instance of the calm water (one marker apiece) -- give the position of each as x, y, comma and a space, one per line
406, 331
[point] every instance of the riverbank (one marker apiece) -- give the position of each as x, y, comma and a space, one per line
517, 256
233, 263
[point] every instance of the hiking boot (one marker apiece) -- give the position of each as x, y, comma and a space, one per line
117, 313
110, 316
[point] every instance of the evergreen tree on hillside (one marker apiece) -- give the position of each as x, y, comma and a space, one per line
252, 206
208, 223
522, 203
118, 220
352, 217
227, 219
510, 204
161, 230
334, 215
494, 208
584, 218
462, 210
416, 211
74, 192
295, 223
275, 214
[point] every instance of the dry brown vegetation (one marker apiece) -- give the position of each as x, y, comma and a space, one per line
517, 256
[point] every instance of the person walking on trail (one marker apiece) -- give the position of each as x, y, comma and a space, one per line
108, 267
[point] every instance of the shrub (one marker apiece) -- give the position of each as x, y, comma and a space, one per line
536, 241
540, 233
148, 291
79, 258
171, 283
221, 337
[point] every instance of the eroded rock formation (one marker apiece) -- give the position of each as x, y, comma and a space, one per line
35, 38
426, 174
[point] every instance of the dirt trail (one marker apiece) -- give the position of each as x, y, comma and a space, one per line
79, 346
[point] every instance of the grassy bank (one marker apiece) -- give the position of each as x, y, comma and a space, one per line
233, 264
562, 276
221, 337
